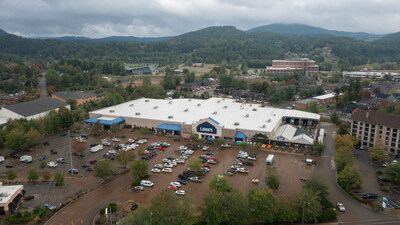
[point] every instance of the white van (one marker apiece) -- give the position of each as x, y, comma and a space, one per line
2, 158
309, 161
96, 148
146, 183
25, 159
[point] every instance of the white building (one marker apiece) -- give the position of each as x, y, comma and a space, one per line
210, 118
371, 75
30, 110
10, 198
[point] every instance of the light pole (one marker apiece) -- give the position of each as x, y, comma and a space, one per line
150, 217
302, 218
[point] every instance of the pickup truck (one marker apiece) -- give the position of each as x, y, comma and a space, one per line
243, 170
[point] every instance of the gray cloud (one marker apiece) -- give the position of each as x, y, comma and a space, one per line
100, 18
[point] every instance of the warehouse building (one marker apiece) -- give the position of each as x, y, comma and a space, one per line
210, 118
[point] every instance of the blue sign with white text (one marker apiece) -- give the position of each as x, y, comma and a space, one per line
206, 127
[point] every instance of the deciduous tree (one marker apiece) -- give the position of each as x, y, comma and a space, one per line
46, 175
124, 157
59, 179
139, 169
262, 205
219, 184
11, 175
349, 178
272, 178
33, 136
335, 118
378, 153
103, 169
16, 140
310, 202
392, 171
195, 164
33, 175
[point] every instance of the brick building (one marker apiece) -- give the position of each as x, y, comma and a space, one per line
81, 97
371, 126
10, 198
292, 65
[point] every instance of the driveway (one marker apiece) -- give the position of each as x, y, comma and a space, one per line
43, 86
355, 212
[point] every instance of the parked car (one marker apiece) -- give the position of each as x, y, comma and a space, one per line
176, 184
73, 171
53, 152
180, 192
89, 168
341, 207
116, 140
134, 206
61, 160
42, 157
195, 179
86, 165
252, 157
181, 181
205, 148
167, 170
369, 196
52, 164
9, 166
138, 188
155, 170
50, 207
159, 166
243, 170
168, 165
248, 163
225, 146
93, 161
146, 183
46, 143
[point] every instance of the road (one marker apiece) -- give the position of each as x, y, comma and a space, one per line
356, 213
42, 86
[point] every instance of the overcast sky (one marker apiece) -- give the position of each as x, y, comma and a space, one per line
154, 18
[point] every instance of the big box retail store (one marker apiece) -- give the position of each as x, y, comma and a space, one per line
208, 118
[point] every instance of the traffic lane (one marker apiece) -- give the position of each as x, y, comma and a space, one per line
354, 210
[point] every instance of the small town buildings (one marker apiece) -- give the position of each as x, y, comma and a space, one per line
325, 99
30, 110
292, 65
370, 127
11, 196
12, 98
371, 74
151, 69
210, 82
305, 103
81, 97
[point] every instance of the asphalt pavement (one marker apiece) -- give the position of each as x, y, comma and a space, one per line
355, 213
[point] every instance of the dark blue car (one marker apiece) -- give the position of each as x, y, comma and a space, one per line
43, 157
181, 181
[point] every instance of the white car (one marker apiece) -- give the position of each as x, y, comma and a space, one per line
168, 165
116, 140
243, 170
139, 188
155, 170
113, 152
181, 161
341, 207
205, 148
165, 160
189, 152
146, 183
176, 184
52, 164
142, 141
174, 163
180, 192
167, 170
158, 166
394, 162
225, 146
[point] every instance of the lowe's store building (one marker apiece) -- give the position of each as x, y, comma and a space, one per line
210, 118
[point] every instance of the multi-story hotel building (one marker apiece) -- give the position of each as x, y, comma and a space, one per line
371, 126
292, 65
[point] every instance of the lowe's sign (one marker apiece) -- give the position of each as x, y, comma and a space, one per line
206, 127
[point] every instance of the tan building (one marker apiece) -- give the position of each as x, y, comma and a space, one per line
81, 97
10, 198
292, 65
371, 126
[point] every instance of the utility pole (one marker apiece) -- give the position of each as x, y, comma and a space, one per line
70, 153
302, 218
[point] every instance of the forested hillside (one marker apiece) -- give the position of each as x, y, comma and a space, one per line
210, 45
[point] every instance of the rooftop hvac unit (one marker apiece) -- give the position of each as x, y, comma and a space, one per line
218, 101
254, 109
236, 124
137, 114
131, 105
199, 104
225, 107
215, 112
186, 110
155, 107
269, 120
111, 111
170, 117
247, 115
263, 126
146, 100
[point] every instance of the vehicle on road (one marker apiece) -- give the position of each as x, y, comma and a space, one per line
138, 188
341, 207
146, 183
155, 170
180, 192
52, 164
50, 206
73, 171
167, 170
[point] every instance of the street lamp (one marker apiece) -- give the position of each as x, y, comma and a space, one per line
150, 217
302, 218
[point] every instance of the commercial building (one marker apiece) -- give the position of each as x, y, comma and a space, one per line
305, 103
210, 118
292, 65
30, 110
81, 97
12, 98
151, 69
210, 82
370, 127
371, 74
321, 100
10, 198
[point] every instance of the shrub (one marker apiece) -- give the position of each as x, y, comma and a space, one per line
136, 182
327, 215
385, 189
29, 197
112, 206
123, 136
379, 172
377, 206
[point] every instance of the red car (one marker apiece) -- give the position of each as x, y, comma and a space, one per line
93, 161
89, 168
172, 188
46, 143
29, 149
161, 148
208, 166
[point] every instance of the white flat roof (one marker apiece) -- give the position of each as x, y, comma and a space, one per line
322, 97
7, 191
188, 111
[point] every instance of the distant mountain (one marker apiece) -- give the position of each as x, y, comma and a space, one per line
108, 39
301, 29
2, 32
215, 33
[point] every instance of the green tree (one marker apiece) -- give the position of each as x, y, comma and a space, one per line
349, 178
310, 202
244, 145
11, 175
143, 131
33, 175
219, 184
262, 205
392, 171
317, 184
378, 152
140, 217
114, 129
319, 148
343, 129
97, 128
272, 178
73, 103
139, 169
124, 157
52, 122
42, 164
195, 164
169, 208
33, 136
343, 157
16, 140
66, 117
103, 169
59, 179
285, 211
335, 118
225, 208
313, 107
46, 175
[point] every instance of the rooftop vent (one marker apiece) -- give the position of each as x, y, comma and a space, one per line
218, 101
146, 100
111, 110
186, 110
236, 124
190, 99
215, 112
155, 107
131, 105
263, 126
269, 120
170, 102
254, 109
170, 117
247, 115
199, 104
137, 114
225, 107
